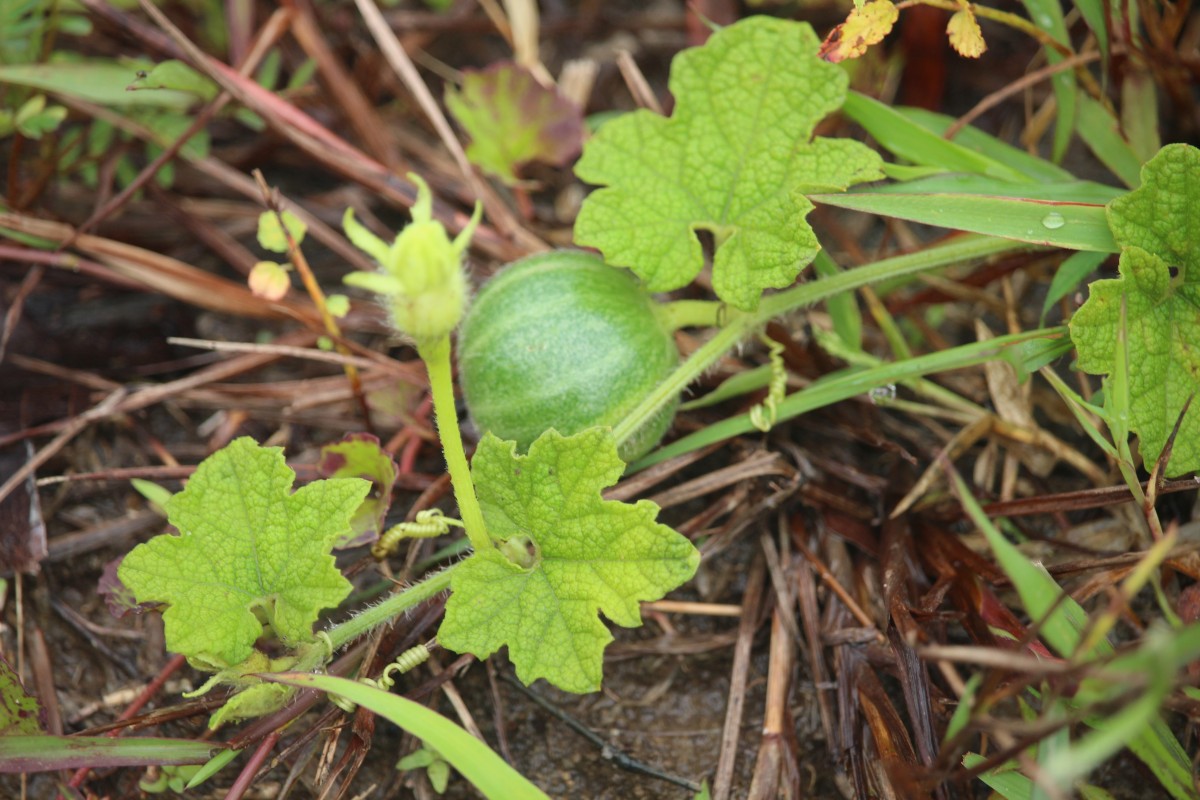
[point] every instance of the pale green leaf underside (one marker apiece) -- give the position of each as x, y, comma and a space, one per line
1158, 229
594, 555
245, 543
735, 159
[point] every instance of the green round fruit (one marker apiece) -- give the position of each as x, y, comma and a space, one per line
562, 340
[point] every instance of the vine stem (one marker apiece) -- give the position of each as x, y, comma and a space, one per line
689, 314
346, 632
739, 324
436, 356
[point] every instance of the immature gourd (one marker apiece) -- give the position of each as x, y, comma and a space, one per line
562, 340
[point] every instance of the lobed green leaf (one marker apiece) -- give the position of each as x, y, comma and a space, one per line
1154, 313
588, 555
734, 159
249, 552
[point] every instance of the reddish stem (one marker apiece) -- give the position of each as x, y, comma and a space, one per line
252, 766
151, 689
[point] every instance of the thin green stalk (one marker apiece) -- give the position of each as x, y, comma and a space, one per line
441, 385
740, 324
843, 385
689, 314
346, 632
921, 386
725, 338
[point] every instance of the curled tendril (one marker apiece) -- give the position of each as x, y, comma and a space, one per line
429, 523
407, 661
763, 415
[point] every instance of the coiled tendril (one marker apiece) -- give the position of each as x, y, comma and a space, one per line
429, 523
763, 415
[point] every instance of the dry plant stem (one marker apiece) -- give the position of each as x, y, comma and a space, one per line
313, 139
403, 66
155, 394
158, 272
222, 173
174, 665
636, 82
524, 22
250, 771
1000, 95
343, 89
698, 609
832, 582
104, 408
772, 750
305, 353
296, 256
751, 600
273, 29
13, 315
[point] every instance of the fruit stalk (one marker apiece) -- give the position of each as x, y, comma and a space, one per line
436, 356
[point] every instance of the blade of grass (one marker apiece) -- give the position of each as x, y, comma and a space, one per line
1101, 132
1059, 618
1062, 623
46, 753
744, 382
1064, 191
1048, 16
919, 145
1036, 169
846, 384
1095, 14
843, 308
1073, 226
473, 759
99, 81
1005, 779
1070, 274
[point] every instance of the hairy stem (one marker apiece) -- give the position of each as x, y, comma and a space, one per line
346, 632
436, 356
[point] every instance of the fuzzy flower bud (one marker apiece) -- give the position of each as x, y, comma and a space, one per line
420, 276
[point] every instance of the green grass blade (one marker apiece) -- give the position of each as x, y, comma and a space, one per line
473, 759
1070, 274
1005, 780
102, 82
1101, 132
1065, 191
1036, 169
1048, 15
1062, 623
744, 382
919, 145
1073, 226
212, 767
1095, 15
843, 308
1059, 618
44, 753
846, 384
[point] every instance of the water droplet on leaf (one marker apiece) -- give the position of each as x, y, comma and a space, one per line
1053, 220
